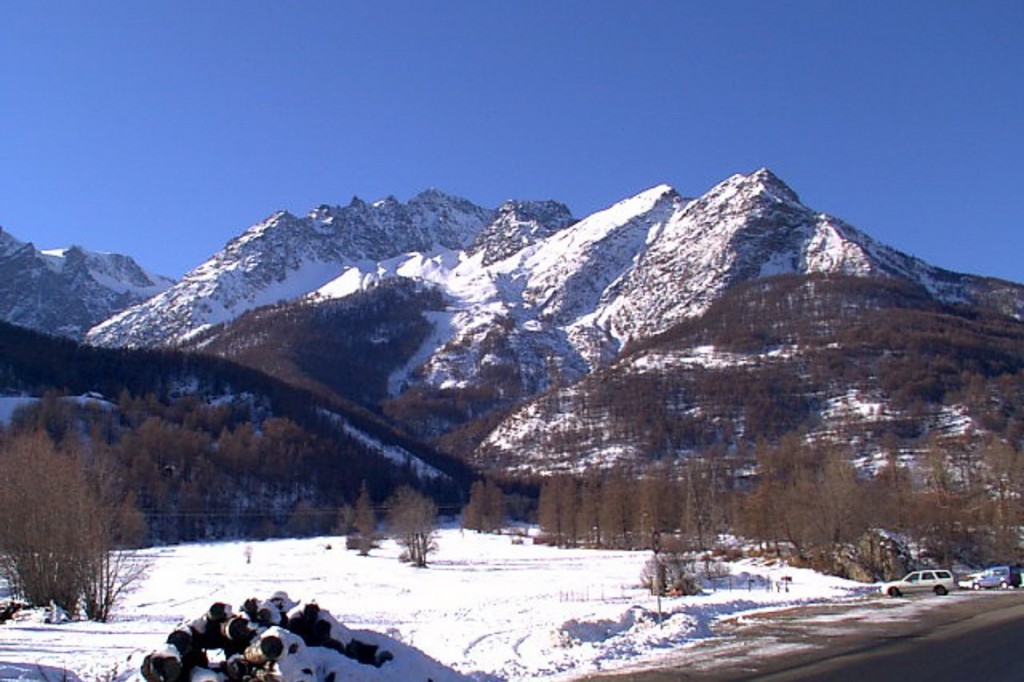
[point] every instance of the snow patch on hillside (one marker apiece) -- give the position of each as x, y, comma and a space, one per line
11, 404
393, 453
854, 404
708, 357
954, 420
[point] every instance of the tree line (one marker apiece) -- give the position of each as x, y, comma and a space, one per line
807, 501
70, 510
233, 469
171, 382
68, 526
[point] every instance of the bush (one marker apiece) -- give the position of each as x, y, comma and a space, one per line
671, 573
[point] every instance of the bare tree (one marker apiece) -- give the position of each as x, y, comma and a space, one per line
671, 573
412, 519
617, 512
557, 510
942, 517
486, 510
56, 534
114, 568
1000, 508
41, 497
108, 577
697, 503
495, 507
473, 512
588, 514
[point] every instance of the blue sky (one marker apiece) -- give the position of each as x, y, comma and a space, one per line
163, 129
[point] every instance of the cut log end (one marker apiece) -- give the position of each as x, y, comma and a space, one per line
161, 668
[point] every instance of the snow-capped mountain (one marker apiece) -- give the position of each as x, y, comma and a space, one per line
67, 291
285, 257
749, 227
539, 286
578, 296
869, 366
524, 298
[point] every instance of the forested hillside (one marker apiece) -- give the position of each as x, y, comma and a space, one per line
340, 347
868, 365
209, 448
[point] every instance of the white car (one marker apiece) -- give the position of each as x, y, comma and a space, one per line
938, 581
966, 581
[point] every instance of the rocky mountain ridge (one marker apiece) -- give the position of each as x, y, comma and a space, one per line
67, 291
619, 275
339, 247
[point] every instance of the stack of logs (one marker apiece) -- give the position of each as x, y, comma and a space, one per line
8, 609
269, 641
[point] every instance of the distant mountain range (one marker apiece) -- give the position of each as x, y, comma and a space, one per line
67, 291
621, 274
497, 333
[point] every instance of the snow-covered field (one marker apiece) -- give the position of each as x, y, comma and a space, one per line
486, 607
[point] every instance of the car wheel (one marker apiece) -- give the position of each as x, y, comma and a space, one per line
941, 590
975, 586
1003, 585
895, 592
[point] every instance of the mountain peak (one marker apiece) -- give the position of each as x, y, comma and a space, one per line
435, 197
662, 190
765, 179
430, 194
536, 210
518, 224
9, 243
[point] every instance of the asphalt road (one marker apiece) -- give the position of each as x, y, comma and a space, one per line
961, 637
985, 647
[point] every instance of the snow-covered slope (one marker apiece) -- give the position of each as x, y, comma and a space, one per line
747, 227
66, 291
